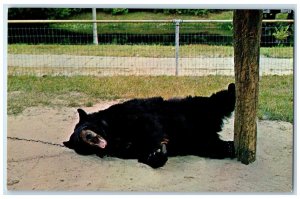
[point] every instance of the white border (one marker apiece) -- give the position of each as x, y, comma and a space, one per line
213, 4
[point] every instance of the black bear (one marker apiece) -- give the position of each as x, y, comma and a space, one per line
152, 129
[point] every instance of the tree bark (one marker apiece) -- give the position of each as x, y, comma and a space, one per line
247, 26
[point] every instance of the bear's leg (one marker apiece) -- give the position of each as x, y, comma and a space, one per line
152, 142
221, 149
157, 156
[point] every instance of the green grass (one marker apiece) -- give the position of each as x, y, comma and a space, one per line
278, 52
147, 28
142, 50
275, 100
153, 16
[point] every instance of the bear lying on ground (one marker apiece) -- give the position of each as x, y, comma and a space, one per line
152, 129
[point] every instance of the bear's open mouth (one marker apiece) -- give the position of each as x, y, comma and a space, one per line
101, 142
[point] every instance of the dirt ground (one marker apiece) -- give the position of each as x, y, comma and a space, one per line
106, 66
33, 164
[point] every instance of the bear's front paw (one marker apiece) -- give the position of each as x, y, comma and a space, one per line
157, 158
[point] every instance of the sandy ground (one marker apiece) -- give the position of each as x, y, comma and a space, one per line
35, 165
106, 66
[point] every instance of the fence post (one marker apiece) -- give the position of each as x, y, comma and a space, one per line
247, 35
95, 34
177, 25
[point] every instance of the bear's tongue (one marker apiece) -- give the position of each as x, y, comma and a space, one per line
102, 143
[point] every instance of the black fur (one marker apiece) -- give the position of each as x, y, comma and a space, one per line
153, 129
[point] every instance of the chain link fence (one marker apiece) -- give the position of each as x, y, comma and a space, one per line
140, 47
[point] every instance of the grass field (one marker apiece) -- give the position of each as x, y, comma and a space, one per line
148, 28
275, 99
143, 15
142, 50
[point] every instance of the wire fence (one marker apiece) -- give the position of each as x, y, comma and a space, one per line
140, 47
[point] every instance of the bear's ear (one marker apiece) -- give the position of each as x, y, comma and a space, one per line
68, 144
82, 115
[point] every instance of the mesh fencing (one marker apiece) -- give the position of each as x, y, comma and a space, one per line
203, 48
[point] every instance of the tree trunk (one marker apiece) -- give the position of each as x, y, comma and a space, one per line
247, 33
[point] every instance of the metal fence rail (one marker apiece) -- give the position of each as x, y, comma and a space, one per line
140, 47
